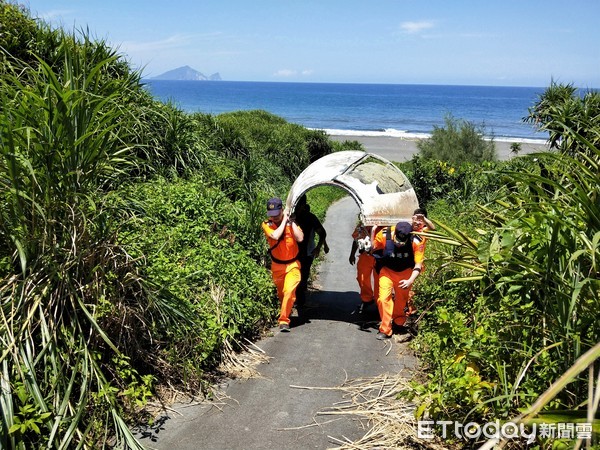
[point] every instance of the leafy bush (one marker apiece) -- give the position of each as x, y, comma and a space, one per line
259, 134
64, 140
255, 152
108, 290
531, 284
18, 31
569, 116
167, 142
348, 145
459, 142
435, 180
188, 234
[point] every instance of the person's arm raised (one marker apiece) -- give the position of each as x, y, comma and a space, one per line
298, 234
278, 232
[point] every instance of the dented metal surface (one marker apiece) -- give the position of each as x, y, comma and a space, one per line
382, 192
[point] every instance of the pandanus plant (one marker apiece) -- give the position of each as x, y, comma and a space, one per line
542, 256
65, 134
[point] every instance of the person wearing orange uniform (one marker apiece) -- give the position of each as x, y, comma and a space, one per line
421, 224
368, 280
399, 260
283, 235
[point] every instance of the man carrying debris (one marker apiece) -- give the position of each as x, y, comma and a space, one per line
399, 260
311, 226
368, 280
283, 235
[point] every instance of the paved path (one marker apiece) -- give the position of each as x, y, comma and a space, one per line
267, 412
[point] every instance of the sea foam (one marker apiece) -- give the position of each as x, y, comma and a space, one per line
391, 132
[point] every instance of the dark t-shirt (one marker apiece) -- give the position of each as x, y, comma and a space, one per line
310, 224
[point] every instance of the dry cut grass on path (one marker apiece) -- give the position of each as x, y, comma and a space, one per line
389, 422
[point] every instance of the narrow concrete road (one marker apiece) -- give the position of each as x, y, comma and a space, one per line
336, 344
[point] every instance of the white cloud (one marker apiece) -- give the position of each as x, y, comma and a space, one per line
53, 14
285, 73
416, 27
171, 42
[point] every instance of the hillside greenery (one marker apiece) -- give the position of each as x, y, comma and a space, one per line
512, 292
131, 256
458, 142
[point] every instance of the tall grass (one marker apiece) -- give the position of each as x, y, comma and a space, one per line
514, 326
64, 141
538, 269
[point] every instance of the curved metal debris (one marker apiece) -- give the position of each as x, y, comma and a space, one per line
381, 190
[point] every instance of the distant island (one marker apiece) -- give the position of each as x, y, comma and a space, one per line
187, 73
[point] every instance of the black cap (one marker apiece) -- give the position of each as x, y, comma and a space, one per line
402, 231
274, 207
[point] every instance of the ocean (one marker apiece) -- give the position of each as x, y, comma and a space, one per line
398, 110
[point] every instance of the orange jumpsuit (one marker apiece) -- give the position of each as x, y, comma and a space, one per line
410, 304
286, 273
368, 280
392, 309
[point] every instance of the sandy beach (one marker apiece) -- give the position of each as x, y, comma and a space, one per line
403, 149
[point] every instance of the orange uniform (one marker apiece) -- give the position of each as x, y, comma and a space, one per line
285, 267
410, 304
389, 279
368, 280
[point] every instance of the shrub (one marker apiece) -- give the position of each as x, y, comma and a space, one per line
459, 142
195, 243
255, 151
65, 136
19, 34
534, 270
435, 180
348, 145
570, 118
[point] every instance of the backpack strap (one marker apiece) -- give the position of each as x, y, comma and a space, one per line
280, 261
389, 243
286, 261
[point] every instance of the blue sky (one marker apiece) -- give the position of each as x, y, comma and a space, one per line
469, 42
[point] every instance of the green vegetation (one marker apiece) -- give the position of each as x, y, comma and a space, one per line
130, 251
513, 291
131, 257
458, 142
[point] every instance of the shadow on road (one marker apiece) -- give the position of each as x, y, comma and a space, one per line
339, 307
285, 407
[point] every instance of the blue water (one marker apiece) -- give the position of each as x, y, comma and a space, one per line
363, 109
